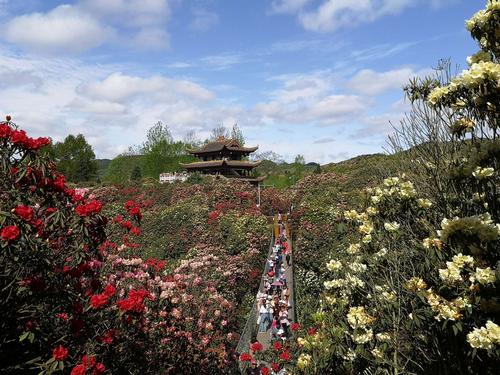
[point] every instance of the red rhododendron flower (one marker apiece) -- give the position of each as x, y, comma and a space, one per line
118, 219
88, 361
24, 212
136, 231
5, 131
256, 347
245, 357
108, 337
98, 300
92, 207
59, 183
18, 137
265, 371
36, 144
275, 367
212, 216
62, 316
60, 353
110, 290
78, 370
135, 301
277, 345
127, 224
285, 356
99, 368
10, 233
129, 205
50, 211
295, 326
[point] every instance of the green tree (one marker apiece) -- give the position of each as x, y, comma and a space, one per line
299, 166
75, 158
136, 173
120, 168
161, 153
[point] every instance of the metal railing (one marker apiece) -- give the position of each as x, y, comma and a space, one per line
251, 327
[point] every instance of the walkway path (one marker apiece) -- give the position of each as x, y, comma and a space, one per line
251, 332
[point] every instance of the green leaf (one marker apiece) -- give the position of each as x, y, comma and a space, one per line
23, 336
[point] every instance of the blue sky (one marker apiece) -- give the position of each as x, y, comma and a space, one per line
317, 77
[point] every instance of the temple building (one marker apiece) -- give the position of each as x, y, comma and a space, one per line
225, 157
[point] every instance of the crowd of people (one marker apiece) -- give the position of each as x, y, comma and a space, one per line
273, 300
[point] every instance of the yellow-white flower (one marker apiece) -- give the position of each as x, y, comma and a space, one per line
366, 228
391, 227
367, 238
432, 242
415, 284
351, 215
484, 337
381, 253
377, 353
334, 265
482, 173
483, 276
362, 336
354, 248
424, 203
303, 361
383, 337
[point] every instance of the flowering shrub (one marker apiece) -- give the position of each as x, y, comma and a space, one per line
82, 294
412, 285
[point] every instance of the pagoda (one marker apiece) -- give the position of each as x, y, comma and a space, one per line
225, 157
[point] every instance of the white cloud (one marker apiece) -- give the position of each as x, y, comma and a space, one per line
288, 6
179, 65
222, 61
331, 15
370, 82
64, 96
151, 38
310, 99
329, 110
91, 23
136, 13
203, 20
63, 28
118, 87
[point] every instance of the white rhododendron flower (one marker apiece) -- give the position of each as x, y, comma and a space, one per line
482, 173
391, 227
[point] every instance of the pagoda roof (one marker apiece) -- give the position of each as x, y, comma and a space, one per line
221, 144
221, 163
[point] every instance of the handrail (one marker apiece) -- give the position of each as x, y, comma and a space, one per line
251, 325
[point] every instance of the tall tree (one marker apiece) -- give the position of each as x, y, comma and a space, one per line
237, 134
75, 158
299, 166
136, 173
191, 139
160, 152
218, 132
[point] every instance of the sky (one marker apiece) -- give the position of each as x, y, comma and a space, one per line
321, 78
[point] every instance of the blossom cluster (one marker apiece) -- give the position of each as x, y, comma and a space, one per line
485, 337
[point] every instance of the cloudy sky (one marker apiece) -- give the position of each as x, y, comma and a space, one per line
318, 77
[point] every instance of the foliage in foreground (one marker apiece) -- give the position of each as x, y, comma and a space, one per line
411, 284
77, 293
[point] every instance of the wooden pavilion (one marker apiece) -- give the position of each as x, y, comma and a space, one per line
225, 157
